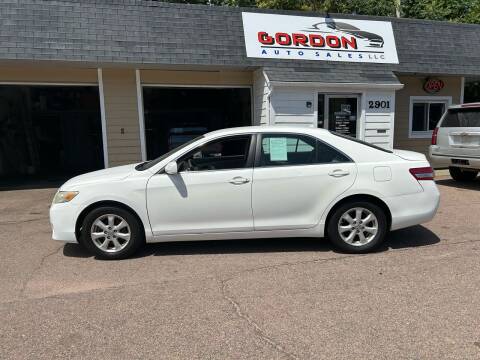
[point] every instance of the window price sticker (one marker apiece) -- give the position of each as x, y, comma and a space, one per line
278, 149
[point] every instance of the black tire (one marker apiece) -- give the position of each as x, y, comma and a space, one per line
136, 240
459, 174
333, 232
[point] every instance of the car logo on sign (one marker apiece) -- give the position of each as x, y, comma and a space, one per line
374, 40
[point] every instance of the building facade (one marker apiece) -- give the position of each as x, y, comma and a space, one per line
93, 84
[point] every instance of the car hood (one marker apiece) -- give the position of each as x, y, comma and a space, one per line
110, 174
410, 155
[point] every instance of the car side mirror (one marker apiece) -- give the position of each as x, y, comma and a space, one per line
171, 168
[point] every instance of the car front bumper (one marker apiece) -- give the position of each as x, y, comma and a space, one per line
62, 219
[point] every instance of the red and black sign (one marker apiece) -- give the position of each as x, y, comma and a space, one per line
275, 36
433, 85
316, 40
310, 40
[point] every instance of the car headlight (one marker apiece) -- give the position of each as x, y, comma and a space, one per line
64, 196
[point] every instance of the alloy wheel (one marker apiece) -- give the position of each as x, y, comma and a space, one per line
358, 226
110, 233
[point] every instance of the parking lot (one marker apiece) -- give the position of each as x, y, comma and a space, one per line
418, 297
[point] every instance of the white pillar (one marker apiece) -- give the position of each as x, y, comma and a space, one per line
103, 117
141, 117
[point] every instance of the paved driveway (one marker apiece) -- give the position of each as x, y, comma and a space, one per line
417, 298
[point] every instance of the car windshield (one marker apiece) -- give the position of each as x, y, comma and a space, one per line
148, 164
361, 142
463, 117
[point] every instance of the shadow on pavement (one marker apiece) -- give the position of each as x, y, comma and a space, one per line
415, 236
75, 250
468, 185
406, 238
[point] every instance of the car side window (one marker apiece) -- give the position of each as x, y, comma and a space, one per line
292, 149
222, 154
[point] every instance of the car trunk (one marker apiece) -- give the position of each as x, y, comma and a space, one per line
409, 155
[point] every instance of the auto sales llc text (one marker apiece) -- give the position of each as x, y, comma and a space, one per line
323, 54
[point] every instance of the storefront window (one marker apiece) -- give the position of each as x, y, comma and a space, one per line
425, 113
339, 113
48, 133
343, 114
321, 111
471, 90
176, 115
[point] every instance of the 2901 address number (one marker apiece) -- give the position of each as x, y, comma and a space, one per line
378, 104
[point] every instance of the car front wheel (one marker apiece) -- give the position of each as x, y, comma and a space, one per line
357, 227
111, 233
462, 175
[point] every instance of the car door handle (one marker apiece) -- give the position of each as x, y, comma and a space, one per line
238, 180
339, 173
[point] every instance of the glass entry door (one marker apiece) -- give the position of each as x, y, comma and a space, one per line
340, 113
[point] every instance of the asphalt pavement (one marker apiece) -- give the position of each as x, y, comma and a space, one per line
418, 297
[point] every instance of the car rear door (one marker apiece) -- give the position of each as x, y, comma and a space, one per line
295, 178
459, 133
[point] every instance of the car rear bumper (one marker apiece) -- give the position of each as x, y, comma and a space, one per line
414, 209
62, 220
440, 160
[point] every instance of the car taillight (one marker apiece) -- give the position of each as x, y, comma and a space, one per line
434, 136
423, 173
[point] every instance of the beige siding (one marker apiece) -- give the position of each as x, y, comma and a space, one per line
414, 87
47, 75
220, 78
121, 112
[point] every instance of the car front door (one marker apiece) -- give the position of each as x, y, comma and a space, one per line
211, 192
295, 178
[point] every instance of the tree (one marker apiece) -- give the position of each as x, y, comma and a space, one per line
245, 3
451, 10
467, 11
365, 7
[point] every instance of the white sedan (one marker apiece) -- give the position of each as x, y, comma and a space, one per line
251, 182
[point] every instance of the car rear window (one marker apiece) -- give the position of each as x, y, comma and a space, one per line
463, 117
361, 142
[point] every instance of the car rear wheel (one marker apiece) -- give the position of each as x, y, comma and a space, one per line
111, 233
357, 227
459, 174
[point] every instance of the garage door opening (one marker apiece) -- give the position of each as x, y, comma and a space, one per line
176, 115
48, 133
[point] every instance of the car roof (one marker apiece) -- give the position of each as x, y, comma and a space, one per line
264, 129
466, 105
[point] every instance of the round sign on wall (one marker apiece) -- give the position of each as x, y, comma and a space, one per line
433, 85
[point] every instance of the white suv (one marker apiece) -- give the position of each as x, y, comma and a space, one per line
456, 142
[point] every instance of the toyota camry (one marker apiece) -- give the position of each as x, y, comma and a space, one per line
251, 182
